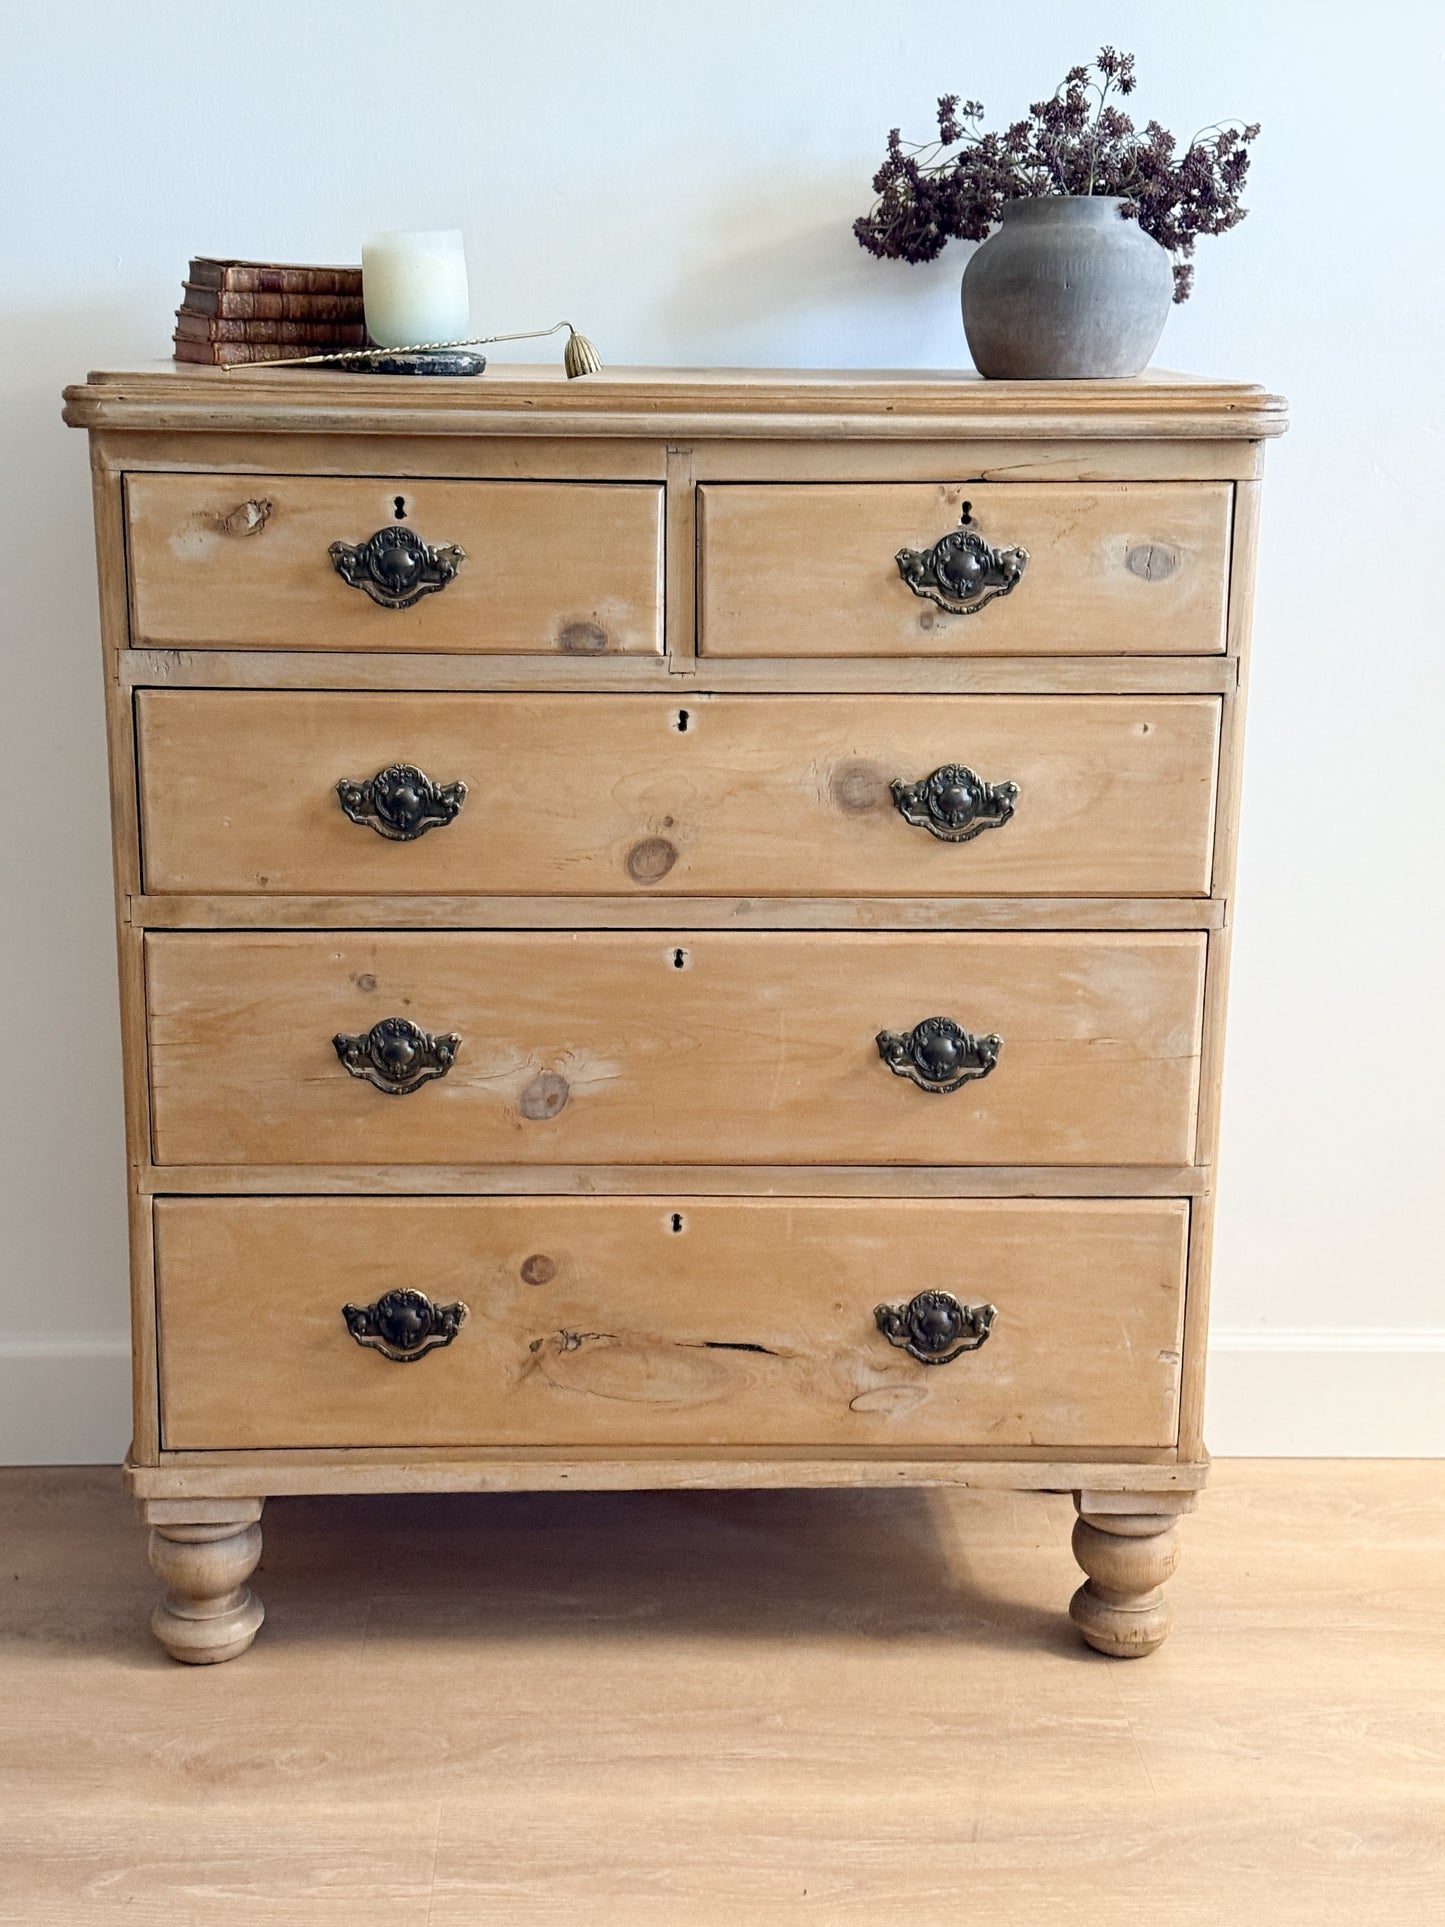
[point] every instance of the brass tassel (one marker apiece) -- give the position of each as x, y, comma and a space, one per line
579, 357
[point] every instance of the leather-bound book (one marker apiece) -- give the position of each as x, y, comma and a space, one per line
320, 334
219, 353
271, 277
272, 307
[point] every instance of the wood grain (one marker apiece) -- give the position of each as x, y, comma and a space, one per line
651, 912
639, 456
1117, 569
719, 1060
658, 1180
684, 1047
574, 568
626, 1322
208, 1614
109, 513
781, 404
634, 1709
189, 1479
972, 456
900, 676
704, 795
1216, 985
357, 445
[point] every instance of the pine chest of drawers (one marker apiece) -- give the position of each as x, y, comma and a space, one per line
673, 931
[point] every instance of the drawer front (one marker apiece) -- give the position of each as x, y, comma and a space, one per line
245, 562
1115, 569
760, 795
650, 1047
652, 1322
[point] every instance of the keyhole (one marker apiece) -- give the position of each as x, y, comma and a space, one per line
679, 960
677, 1221
683, 720
965, 515
401, 508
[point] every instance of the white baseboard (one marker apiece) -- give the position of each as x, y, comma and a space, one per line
1326, 1392
1310, 1392
64, 1398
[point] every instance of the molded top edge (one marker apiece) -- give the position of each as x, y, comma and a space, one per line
515, 398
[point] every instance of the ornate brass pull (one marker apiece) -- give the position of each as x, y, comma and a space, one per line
961, 572
402, 802
397, 1056
934, 1328
395, 567
938, 1055
955, 804
404, 1324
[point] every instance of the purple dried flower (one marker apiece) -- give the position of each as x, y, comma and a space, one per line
1075, 142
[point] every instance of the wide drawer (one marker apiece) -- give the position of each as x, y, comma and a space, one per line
653, 1321
245, 562
1113, 569
651, 1047
751, 795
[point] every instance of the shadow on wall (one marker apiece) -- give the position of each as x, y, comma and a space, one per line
775, 283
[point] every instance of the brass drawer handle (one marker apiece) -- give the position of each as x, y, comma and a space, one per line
954, 803
938, 1055
934, 1328
395, 567
404, 1324
396, 1055
961, 572
401, 802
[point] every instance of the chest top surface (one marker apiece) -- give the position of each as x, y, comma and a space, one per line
785, 403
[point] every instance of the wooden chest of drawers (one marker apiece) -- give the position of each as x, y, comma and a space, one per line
673, 931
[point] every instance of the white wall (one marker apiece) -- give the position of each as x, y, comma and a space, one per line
680, 180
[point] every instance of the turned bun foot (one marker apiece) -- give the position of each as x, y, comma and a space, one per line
1121, 1609
209, 1613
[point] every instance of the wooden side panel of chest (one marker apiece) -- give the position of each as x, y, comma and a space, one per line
696, 822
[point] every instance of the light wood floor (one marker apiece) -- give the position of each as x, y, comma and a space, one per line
669, 1710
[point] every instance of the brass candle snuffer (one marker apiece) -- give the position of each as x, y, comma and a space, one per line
579, 357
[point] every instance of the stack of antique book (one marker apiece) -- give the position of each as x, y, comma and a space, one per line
237, 311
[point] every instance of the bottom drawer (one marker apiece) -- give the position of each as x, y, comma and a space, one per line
663, 1322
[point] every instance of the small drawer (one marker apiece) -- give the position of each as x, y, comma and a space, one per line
787, 796
313, 562
1111, 569
668, 1321
607, 1047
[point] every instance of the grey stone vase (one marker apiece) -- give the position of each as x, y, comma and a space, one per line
1065, 290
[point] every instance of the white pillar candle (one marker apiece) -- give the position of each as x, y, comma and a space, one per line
415, 287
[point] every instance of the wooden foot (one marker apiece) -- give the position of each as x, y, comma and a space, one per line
1128, 1545
205, 1550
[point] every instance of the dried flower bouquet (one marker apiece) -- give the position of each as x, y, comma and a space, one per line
1076, 142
